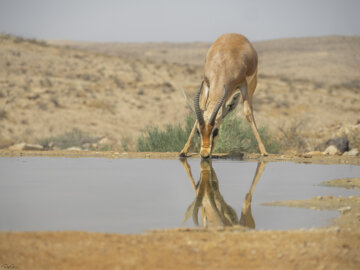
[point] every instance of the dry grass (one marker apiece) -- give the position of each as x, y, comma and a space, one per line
293, 137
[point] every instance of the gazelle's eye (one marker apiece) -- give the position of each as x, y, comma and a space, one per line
198, 132
215, 132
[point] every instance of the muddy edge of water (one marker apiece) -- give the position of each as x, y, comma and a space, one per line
316, 159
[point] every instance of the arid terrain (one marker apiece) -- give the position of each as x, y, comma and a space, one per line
308, 92
308, 88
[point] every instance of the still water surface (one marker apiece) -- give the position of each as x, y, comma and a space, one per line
134, 195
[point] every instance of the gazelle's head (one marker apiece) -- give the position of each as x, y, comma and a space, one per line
208, 130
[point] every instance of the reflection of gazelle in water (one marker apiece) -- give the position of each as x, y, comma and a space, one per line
214, 210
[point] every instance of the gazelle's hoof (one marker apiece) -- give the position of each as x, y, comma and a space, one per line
265, 154
182, 155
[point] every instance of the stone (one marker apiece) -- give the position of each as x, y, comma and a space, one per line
352, 152
26, 147
341, 143
86, 146
37, 147
345, 209
332, 150
73, 148
17, 147
104, 141
311, 154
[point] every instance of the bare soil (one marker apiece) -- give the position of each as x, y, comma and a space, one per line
308, 89
334, 247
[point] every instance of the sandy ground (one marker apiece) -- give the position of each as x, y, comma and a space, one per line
334, 247
308, 89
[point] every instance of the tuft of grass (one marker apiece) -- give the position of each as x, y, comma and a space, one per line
125, 143
172, 139
235, 136
292, 136
74, 138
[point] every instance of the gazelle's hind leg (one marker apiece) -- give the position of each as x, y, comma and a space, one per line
250, 117
186, 148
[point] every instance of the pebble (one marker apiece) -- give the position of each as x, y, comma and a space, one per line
331, 150
73, 149
26, 146
352, 152
345, 209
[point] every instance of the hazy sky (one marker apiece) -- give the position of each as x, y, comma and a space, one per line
178, 21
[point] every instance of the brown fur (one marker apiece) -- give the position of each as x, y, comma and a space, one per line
231, 62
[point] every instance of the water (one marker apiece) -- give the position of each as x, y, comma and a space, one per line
134, 195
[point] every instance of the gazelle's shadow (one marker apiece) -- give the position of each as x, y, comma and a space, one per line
214, 211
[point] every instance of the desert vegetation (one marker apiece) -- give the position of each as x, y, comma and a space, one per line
122, 94
235, 136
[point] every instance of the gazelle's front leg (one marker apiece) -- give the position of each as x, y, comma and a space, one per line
246, 218
186, 148
251, 119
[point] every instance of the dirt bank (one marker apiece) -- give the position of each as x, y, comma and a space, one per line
178, 249
317, 159
335, 247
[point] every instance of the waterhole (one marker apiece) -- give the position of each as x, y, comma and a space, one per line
134, 195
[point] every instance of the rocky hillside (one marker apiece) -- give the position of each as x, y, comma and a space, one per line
47, 90
308, 88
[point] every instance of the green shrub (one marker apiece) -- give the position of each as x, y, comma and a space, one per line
235, 136
172, 139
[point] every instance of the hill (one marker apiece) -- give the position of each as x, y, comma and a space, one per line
309, 86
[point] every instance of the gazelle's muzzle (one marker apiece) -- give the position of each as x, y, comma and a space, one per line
205, 153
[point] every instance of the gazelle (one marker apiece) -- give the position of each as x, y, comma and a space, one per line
230, 70
214, 211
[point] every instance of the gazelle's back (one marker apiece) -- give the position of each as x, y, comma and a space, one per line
231, 58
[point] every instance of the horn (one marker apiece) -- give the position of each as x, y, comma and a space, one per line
198, 111
217, 108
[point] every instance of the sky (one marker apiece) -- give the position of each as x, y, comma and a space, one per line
177, 20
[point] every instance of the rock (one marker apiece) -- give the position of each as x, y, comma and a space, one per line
104, 141
352, 152
311, 154
17, 147
332, 150
26, 147
345, 209
342, 144
73, 148
86, 146
33, 147
94, 145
